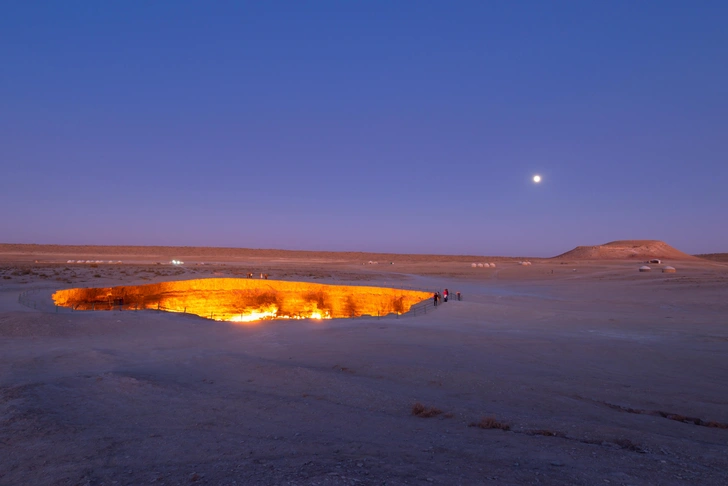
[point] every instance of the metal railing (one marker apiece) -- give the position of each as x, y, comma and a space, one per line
34, 299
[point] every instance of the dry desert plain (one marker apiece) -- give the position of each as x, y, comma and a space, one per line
601, 374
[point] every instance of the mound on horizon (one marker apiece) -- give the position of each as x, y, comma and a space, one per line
627, 250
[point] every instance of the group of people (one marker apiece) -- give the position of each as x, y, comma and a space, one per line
437, 297
262, 275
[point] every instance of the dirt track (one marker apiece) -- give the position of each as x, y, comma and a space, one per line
601, 373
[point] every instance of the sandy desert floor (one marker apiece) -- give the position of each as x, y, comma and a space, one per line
604, 376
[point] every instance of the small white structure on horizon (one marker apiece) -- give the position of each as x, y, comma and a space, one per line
645, 268
473, 265
71, 261
480, 265
668, 269
655, 261
176, 262
491, 265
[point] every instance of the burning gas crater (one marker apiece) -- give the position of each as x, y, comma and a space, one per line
245, 300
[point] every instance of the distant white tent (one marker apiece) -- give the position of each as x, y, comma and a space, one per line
645, 268
668, 269
474, 265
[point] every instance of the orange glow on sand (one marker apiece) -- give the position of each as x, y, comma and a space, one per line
245, 300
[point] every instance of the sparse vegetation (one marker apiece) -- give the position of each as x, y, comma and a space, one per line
547, 433
490, 423
419, 410
629, 445
670, 416
717, 425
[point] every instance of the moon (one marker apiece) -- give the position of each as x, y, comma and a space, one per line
537, 178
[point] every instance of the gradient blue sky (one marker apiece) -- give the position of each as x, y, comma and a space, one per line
373, 126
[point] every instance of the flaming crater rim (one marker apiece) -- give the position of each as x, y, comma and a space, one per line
245, 299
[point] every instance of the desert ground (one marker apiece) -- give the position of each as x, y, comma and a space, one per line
567, 371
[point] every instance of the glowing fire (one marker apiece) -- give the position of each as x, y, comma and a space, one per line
271, 312
246, 300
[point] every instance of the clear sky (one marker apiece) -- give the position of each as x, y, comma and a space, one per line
367, 126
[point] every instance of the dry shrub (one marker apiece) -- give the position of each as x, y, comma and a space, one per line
684, 419
629, 445
490, 423
547, 433
716, 425
420, 410
677, 417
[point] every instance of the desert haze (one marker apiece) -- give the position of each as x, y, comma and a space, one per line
577, 369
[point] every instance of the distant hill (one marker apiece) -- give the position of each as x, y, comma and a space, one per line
627, 250
716, 257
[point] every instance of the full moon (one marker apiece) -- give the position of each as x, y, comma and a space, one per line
537, 179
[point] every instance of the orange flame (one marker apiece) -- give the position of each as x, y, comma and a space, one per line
245, 300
